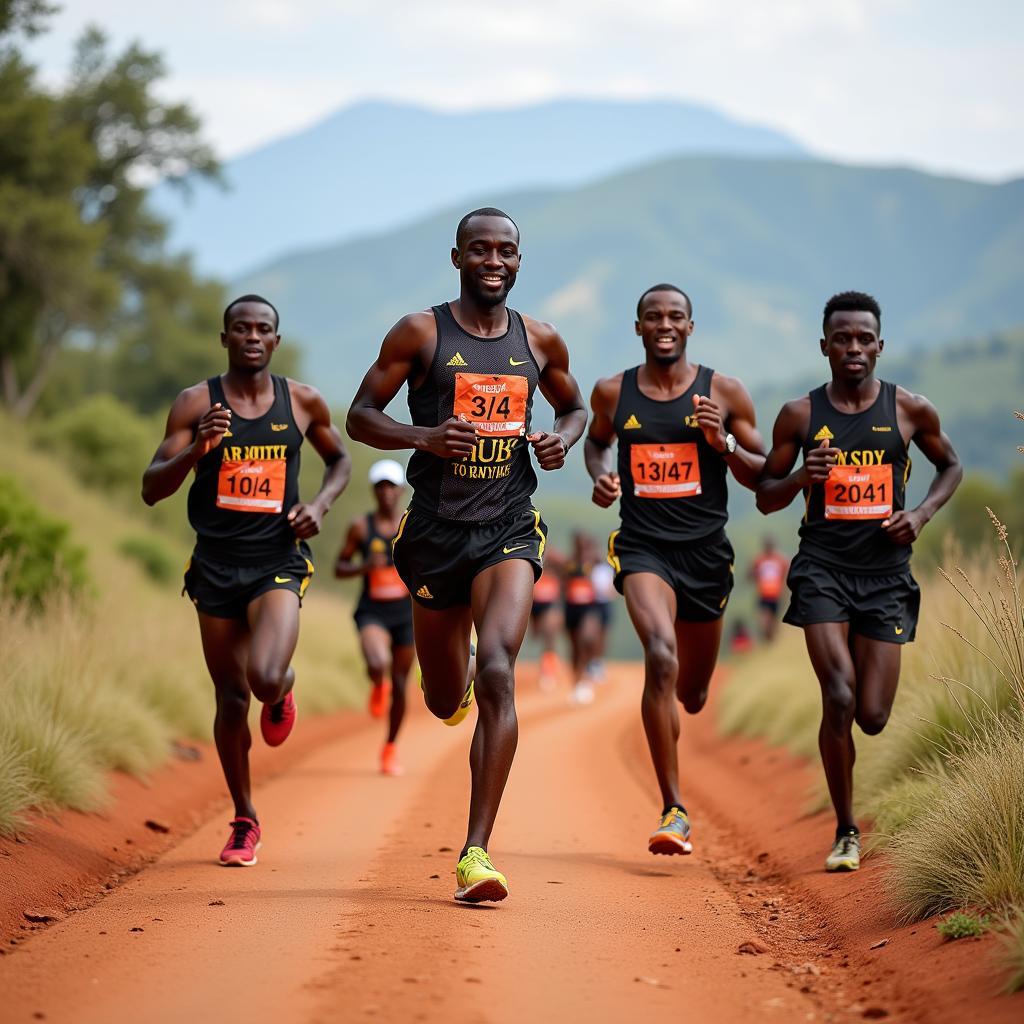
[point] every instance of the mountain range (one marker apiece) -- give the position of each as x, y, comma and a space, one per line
377, 165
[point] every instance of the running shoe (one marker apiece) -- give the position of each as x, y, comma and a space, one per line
243, 844
672, 835
389, 764
845, 855
477, 878
550, 670
582, 693
379, 694
277, 720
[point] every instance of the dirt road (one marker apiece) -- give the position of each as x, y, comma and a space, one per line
349, 914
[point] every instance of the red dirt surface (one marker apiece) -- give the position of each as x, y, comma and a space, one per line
349, 914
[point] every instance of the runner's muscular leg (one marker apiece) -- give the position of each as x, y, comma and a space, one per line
274, 623
502, 597
651, 603
442, 646
697, 644
401, 663
375, 642
828, 645
226, 647
878, 674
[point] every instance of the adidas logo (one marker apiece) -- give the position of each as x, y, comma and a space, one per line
278, 426
424, 592
632, 423
824, 435
457, 360
690, 421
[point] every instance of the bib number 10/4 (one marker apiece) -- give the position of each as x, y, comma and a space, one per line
665, 470
251, 485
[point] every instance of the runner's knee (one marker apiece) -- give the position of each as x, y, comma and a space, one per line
495, 685
838, 704
872, 720
232, 703
662, 664
266, 682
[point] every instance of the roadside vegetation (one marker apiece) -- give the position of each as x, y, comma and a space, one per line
943, 784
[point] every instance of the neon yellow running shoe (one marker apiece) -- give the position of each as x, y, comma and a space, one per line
845, 855
673, 834
477, 878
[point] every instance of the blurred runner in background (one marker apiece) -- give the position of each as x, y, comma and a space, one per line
769, 574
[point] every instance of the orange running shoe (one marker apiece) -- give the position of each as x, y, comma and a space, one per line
379, 698
550, 670
389, 764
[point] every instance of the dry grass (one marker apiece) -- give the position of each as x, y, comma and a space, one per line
1012, 938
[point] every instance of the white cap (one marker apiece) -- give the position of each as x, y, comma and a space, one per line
387, 470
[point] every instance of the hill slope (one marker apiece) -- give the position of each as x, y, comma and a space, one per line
373, 166
759, 244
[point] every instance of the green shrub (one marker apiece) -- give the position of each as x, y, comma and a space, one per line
106, 444
961, 925
153, 556
36, 553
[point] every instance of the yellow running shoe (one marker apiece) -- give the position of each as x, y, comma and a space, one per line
477, 878
673, 834
845, 855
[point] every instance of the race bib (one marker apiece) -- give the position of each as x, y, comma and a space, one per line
579, 590
251, 485
494, 403
665, 470
385, 584
859, 492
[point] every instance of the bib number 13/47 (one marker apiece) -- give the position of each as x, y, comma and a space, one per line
665, 470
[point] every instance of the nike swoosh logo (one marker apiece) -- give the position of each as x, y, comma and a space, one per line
517, 362
899, 631
518, 547
282, 579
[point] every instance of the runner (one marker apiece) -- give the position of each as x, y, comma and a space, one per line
546, 620
582, 616
603, 578
769, 572
383, 615
680, 426
471, 545
852, 591
241, 433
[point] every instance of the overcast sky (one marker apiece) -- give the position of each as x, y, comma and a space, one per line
937, 84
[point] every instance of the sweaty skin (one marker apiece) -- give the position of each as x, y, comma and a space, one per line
858, 675
665, 326
487, 257
251, 657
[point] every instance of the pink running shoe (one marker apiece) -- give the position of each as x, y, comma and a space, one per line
276, 720
243, 844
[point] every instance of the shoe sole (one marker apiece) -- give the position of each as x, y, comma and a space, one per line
238, 863
488, 889
842, 866
669, 845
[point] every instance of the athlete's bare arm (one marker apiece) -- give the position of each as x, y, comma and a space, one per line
346, 564
314, 420
597, 452
780, 483
559, 387
919, 422
729, 409
405, 356
193, 428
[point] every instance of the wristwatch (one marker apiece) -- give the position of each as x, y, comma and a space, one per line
730, 444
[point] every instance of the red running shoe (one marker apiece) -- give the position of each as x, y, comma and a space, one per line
276, 720
243, 844
389, 763
379, 699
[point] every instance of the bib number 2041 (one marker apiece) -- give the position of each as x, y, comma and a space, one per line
859, 492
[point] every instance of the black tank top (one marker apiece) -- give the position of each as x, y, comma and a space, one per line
490, 382
673, 481
842, 525
381, 583
245, 487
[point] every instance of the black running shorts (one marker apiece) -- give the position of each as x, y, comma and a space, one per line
438, 559
225, 591
576, 613
700, 572
394, 616
878, 607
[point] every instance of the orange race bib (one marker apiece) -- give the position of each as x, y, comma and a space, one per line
546, 589
665, 470
252, 485
385, 584
494, 403
859, 492
579, 590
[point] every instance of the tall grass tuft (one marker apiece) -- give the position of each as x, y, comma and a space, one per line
1012, 939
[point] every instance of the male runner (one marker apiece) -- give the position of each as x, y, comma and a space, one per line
471, 545
383, 615
680, 426
852, 591
241, 433
768, 573
582, 616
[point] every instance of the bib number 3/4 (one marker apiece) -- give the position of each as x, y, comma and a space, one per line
251, 485
494, 403
859, 492
665, 470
